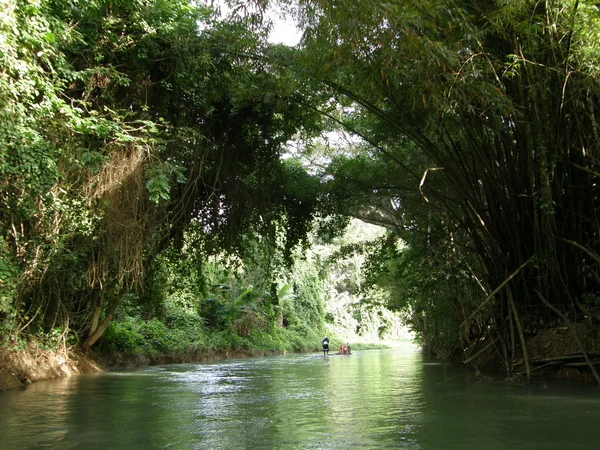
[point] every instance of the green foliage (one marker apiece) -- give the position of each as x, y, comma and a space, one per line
188, 337
9, 272
133, 129
159, 180
308, 299
353, 308
220, 304
153, 337
123, 336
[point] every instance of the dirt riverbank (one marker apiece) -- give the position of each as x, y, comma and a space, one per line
31, 364
23, 367
553, 353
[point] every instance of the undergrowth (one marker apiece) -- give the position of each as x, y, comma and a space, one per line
153, 338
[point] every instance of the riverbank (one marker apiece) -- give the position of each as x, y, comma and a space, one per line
35, 363
553, 353
32, 364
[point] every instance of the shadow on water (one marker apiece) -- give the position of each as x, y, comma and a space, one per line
372, 399
464, 412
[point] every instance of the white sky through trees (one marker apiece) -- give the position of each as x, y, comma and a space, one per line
283, 31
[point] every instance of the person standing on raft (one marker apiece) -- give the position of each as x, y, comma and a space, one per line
325, 346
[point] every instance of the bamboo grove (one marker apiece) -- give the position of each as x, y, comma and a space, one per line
485, 114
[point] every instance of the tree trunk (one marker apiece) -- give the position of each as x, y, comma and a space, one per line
96, 333
96, 314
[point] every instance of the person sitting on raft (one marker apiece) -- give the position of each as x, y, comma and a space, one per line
344, 349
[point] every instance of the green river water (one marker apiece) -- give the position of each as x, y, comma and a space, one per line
376, 399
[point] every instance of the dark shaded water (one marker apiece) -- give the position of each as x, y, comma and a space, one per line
372, 399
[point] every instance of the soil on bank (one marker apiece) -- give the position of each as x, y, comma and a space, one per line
33, 363
125, 361
20, 368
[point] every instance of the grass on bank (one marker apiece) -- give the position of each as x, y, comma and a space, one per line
190, 340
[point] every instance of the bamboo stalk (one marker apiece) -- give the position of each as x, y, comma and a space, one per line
479, 352
558, 358
554, 363
585, 169
521, 336
581, 364
589, 252
498, 289
512, 338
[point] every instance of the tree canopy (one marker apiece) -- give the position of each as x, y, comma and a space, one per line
135, 132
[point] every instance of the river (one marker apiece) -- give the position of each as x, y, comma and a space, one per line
375, 399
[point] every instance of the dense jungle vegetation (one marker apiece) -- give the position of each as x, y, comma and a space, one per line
168, 185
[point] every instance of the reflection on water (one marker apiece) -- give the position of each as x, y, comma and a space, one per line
372, 399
